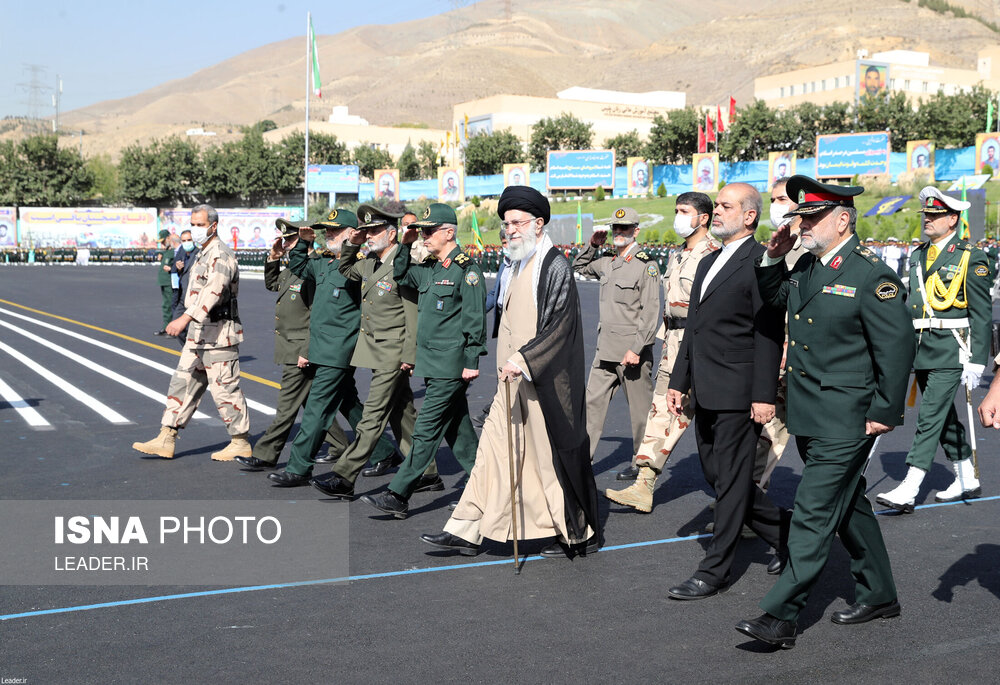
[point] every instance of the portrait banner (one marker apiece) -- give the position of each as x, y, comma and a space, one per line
386, 184
8, 226
920, 155
516, 175
451, 184
705, 171
239, 228
872, 81
638, 176
987, 152
88, 226
780, 165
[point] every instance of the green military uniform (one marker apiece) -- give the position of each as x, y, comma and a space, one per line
386, 340
291, 341
333, 333
163, 279
848, 360
451, 336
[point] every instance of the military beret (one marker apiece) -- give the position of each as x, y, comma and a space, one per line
437, 213
338, 219
817, 197
933, 201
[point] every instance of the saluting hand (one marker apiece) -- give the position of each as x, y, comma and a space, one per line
307, 234
781, 242
598, 237
357, 236
410, 234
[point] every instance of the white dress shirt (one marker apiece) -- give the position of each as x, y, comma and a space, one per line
725, 254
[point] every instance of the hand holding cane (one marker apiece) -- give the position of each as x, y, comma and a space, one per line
513, 486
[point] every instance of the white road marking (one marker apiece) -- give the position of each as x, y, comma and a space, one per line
257, 406
70, 389
26, 411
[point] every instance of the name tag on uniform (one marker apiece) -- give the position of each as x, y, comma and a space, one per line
843, 290
336, 292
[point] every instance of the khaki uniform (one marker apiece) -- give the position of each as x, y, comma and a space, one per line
211, 354
630, 311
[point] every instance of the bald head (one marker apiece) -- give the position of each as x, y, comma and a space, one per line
737, 211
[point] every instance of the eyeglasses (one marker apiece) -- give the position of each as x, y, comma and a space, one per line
505, 225
429, 230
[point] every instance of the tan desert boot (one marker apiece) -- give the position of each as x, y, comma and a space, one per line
161, 446
239, 446
639, 495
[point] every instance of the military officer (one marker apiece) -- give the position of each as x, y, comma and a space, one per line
952, 316
333, 332
693, 216
630, 315
849, 353
451, 337
386, 345
291, 351
163, 280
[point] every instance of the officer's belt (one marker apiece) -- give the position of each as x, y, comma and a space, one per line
921, 324
676, 322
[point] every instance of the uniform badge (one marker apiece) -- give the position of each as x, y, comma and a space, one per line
951, 248
295, 287
794, 282
336, 292
886, 290
620, 214
843, 290
837, 261
651, 270
472, 278
332, 215
368, 217
384, 287
446, 263
427, 212
440, 305
981, 271
293, 296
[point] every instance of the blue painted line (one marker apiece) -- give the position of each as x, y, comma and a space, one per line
386, 574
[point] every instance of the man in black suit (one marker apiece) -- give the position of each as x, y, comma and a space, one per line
729, 360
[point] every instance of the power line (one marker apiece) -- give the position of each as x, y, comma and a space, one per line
34, 88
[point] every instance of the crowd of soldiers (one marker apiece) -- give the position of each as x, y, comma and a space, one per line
812, 335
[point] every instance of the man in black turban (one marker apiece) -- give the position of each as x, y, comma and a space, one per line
540, 348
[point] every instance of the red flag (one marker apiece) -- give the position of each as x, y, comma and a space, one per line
732, 109
709, 129
718, 118
702, 145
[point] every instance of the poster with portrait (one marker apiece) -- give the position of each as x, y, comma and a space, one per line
8, 226
920, 157
638, 176
987, 151
780, 165
872, 80
386, 184
516, 175
705, 168
451, 184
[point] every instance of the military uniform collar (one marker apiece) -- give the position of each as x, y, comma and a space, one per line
826, 259
449, 260
942, 242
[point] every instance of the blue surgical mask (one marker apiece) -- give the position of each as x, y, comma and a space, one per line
317, 246
188, 245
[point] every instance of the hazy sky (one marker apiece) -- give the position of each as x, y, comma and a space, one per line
115, 48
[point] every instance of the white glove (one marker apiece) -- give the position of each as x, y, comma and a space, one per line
971, 374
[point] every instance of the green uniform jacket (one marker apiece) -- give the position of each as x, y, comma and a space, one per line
291, 312
451, 312
938, 348
166, 259
388, 312
850, 342
336, 311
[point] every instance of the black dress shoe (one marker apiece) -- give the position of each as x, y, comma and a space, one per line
285, 479
255, 464
328, 458
630, 472
334, 486
559, 549
384, 466
862, 613
693, 588
449, 541
777, 564
429, 484
769, 629
389, 503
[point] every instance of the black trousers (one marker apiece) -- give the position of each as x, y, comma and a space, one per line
727, 443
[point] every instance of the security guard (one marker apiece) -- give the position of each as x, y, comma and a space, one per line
630, 315
291, 350
849, 354
952, 314
333, 333
451, 337
386, 345
163, 280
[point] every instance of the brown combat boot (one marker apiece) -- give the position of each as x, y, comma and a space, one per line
239, 446
160, 446
639, 495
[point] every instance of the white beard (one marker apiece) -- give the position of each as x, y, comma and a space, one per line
519, 249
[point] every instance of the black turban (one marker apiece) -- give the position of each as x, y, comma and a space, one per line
525, 198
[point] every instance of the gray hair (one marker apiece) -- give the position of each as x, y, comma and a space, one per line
852, 218
503, 234
752, 200
210, 211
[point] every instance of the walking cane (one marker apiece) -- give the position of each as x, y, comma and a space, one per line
871, 453
972, 430
510, 462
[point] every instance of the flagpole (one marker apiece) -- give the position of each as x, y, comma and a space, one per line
305, 178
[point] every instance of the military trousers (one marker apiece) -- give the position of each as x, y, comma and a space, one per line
166, 303
831, 501
444, 414
937, 421
217, 370
389, 402
662, 429
295, 385
332, 390
605, 379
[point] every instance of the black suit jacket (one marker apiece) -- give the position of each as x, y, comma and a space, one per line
732, 342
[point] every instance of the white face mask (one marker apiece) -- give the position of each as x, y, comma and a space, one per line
188, 245
682, 225
199, 234
778, 211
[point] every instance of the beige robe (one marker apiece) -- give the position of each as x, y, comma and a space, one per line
484, 509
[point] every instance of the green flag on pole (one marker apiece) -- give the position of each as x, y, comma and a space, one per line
579, 224
964, 233
315, 61
475, 231
989, 116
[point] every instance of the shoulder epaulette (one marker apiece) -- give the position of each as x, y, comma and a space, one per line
327, 254
963, 245
428, 259
463, 260
867, 254
642, 256
364, 256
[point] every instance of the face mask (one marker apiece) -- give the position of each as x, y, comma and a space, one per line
506, 252
199, 234
682, 225
188, 245
778, 212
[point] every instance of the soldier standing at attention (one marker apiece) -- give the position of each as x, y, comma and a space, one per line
663, 429
630, 314
952, 316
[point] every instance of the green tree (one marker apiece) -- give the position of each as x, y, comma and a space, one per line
105, 179
166, 171
290, 153
754, 133
369, 158
409, 165
954, 120
674, 138
893, 114
564, 132
625, 145
36, 172
486, 153
428, 156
